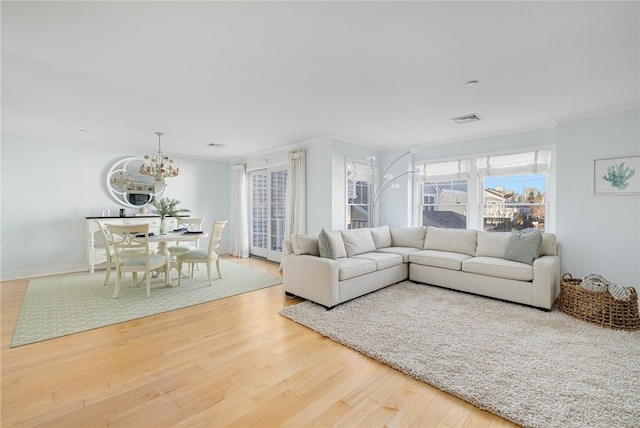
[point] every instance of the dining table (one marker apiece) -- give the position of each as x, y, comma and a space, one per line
174, 237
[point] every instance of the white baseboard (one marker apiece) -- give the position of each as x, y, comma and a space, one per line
35, 272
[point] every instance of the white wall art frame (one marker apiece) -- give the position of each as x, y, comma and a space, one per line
616, 176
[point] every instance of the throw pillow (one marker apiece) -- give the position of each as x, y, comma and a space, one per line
305, 244
523, 247
330, 245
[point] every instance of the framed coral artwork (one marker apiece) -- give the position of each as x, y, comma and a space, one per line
616, 176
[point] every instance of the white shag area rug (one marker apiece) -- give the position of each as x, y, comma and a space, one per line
535, 368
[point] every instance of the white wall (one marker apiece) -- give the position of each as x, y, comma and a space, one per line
326, 188
49, 187
600, 234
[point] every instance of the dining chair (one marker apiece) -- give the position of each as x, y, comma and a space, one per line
108, 248
208, 256
132, 254
189, 225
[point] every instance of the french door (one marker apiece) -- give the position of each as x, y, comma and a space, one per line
268, 194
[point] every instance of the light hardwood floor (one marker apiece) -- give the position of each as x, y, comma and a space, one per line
231, 362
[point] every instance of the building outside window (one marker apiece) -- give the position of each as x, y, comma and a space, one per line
444, 192
359, 188
514, 192
514, 202
503, 192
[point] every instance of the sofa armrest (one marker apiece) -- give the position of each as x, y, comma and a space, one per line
311, 277
546, 281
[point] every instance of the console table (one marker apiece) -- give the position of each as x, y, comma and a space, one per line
98, 255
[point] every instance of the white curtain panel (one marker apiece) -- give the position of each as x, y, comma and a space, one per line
296, 208
239, 212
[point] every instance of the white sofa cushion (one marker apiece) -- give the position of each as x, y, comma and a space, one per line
523, 247
382, 260
492, 244
500, 268
408, 236
357, 241
352, 267
441, 259
330, 245
305, 244
453, 240
402, 251
381, 236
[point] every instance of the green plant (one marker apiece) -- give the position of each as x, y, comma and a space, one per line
618, 175
166, 207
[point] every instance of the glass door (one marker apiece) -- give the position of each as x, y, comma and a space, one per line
268, 197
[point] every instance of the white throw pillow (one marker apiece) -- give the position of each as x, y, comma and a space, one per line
357, 241
453, 240
492, 244
381, 236
330, 245
408, 236
305, 244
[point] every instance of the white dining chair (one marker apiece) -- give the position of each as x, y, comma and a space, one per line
189, 225
208, 256
109, 251
132, 254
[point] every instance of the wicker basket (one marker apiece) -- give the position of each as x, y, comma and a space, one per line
598, 308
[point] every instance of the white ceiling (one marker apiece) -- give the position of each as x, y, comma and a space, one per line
259, 76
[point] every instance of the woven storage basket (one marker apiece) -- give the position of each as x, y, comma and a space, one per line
598, 308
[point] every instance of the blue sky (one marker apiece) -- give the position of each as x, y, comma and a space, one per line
515, 182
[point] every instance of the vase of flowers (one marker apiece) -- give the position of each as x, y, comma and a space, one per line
166, 207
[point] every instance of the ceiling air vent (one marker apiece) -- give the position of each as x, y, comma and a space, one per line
216, 145
474, 117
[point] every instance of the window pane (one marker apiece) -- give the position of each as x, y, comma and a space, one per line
278, 200
514, 202
358, 216
259, 210
358, 205
444, 204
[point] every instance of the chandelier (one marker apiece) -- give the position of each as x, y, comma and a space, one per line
159, 167
123, 180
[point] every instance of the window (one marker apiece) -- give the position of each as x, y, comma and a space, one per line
514, 190
359, 186
491, 193
514, 202
444, 194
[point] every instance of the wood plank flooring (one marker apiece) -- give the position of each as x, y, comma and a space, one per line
231, 362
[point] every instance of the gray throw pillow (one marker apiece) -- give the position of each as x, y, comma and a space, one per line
330, 245
523, 247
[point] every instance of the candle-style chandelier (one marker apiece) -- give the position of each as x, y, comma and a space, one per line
159, 167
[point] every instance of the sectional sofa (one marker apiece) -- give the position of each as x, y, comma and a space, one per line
330, 268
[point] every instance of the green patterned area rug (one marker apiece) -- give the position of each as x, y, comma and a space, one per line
62, 305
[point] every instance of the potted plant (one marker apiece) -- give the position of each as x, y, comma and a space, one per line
166, 207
